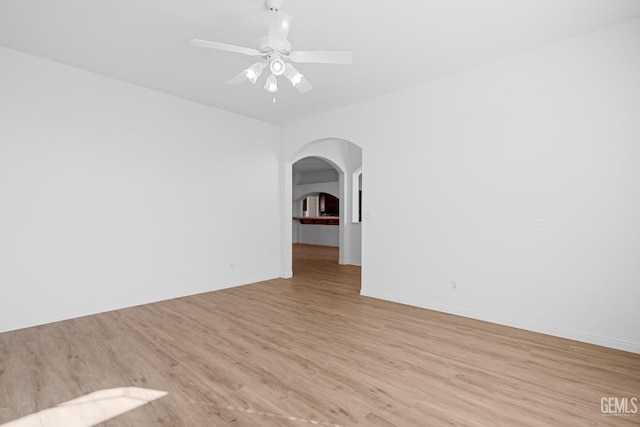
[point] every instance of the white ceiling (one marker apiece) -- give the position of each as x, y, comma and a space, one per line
396, 44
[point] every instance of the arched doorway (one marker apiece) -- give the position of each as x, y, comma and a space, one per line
346, 158
316, 201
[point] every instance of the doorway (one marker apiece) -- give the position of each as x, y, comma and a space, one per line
316, 203
345, 158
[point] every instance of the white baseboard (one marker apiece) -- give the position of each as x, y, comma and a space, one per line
507, 321
129, 302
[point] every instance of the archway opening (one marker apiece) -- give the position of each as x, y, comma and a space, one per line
316, 203
345, 158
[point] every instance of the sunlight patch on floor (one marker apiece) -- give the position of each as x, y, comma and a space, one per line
90, 409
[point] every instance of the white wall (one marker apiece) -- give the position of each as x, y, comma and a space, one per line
355, 255
314, 177
315, 234
300, 190
518, 180
112, 195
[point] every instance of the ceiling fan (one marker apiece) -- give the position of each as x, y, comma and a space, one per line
275, 53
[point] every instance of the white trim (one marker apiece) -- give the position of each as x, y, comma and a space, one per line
355, 190
507, 321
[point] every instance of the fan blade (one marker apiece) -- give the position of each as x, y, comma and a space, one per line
238, 79
321, 57
279, 30
304, 86
225, 47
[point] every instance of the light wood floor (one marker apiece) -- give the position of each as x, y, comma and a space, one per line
311, 351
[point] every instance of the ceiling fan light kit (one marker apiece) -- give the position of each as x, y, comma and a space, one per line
292, 75
254, 71
275, 50
272, 84
277, 67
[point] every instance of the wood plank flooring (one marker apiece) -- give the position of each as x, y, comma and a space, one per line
311, 351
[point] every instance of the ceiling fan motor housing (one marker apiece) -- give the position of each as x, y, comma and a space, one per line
265, 48
273, 4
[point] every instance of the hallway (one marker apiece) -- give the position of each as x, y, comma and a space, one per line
317, 267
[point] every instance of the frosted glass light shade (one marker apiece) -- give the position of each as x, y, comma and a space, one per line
272, 84
277, 67
254, 72
292, 75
